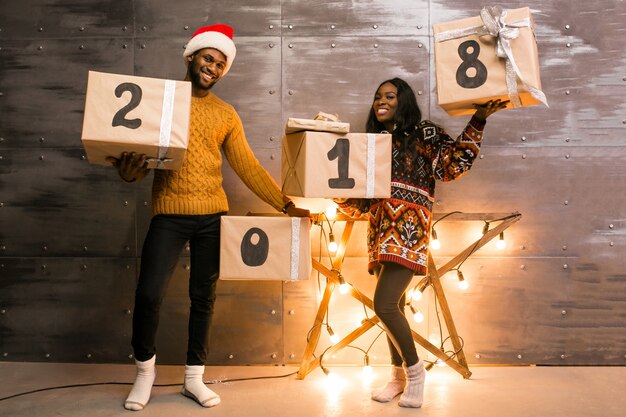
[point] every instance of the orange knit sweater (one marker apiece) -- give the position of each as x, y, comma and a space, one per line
197, 187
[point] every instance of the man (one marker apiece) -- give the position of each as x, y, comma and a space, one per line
187, 206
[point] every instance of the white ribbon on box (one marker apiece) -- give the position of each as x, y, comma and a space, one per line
295, 247
494, 24
165, 132
371, 166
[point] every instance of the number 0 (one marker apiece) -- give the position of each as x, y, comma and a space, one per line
255, 254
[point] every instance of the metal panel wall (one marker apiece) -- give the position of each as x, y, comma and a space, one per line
70, 232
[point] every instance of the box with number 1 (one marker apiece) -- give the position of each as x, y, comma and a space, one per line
126, 113
328, 165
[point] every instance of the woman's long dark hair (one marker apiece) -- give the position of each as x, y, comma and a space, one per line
408, 113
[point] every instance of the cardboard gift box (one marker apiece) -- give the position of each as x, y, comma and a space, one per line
298, 125
265, 248
491, 56
126, 113
328, 165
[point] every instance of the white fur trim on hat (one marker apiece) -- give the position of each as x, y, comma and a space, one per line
216, 40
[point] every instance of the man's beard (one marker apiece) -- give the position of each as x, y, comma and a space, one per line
195, 80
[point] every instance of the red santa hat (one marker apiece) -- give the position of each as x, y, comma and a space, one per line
217, 36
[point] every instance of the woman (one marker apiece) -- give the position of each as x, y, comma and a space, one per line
399, 226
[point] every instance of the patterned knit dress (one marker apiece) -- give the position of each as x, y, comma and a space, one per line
399, 226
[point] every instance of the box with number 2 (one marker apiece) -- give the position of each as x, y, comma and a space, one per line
491, 56
126, 113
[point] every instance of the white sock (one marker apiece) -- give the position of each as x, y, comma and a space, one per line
393, 388
140, 393
194, 387
413, 395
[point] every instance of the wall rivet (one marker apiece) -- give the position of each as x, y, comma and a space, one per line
375, 26
44, 248
124, 46
292, 312
420, 92
88, 356
564, 247
271, 26
41, 157
272, 91
3, 311
82, 28
332, 45
291, 45
419, 45
125, 28
522, 267
332, 26
482, 157
520, 356
477, 356
83, 268
566, 202
40, 47
565, 266
187, 267
274, 356
290, 27
273, 312
186, 27
5, 354
272, 138
145, 204
272, 157
85, 248
611, 226
523, 138
524, 156
143, 46
523, 247
569, 45
127, 312
567, 92
47, 355
567, 27
419, 26
611, 244
125, 203
292, 356
375, 45
42, 140
231, 356
563, 356
290, 92
130, 356
40, 29
143, 28
271, 45
567, 140
567, 156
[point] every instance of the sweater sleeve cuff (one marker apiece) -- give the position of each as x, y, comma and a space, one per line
477, 123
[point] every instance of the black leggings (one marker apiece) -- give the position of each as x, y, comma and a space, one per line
389, 302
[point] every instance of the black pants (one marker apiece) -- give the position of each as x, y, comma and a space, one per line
164, 243
389, 302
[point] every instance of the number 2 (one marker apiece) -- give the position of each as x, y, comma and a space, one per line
135, 98
341, 151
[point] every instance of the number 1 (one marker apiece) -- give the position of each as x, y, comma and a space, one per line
341, 151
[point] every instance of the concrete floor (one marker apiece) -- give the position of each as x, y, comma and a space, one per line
492, 391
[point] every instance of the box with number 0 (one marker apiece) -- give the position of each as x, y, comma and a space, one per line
328, 165
265, 248
491, 56
126, 113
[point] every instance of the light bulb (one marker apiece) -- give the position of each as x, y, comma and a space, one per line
417, 295
344, 288
501, 243
418, 316
331, 212
434, 241
463, 284
333, 337
332, 245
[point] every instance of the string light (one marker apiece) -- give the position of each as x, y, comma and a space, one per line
331, 212
463, 284
501, 243
332, 245
434, 241
333, 337
418, 291
418, 316
344, 287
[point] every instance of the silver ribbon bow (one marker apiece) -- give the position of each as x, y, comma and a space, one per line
494, 24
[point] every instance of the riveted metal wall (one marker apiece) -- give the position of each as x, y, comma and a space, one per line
71, 233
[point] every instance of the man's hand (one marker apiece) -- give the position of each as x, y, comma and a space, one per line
485, 110
130, 167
